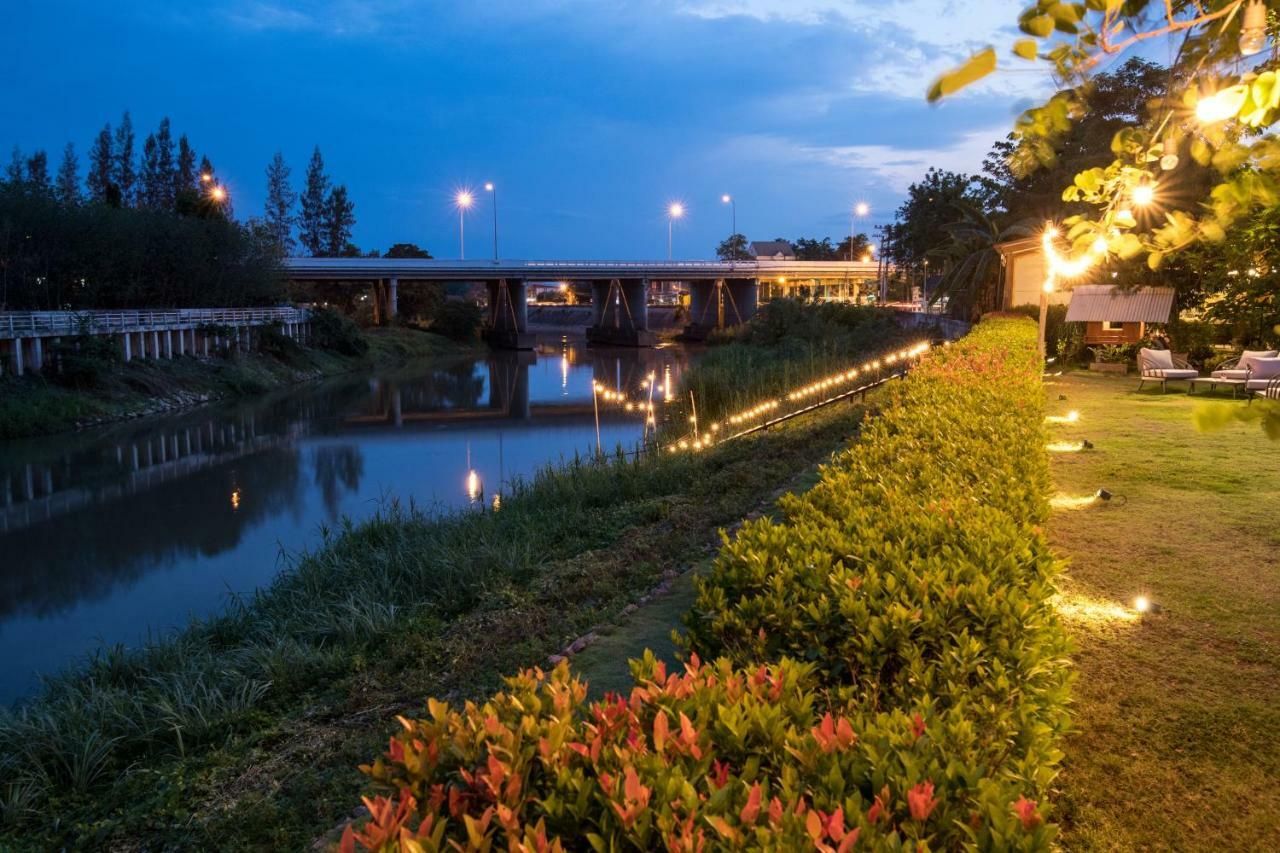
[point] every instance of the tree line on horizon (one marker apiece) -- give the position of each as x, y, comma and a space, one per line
736, 247
151, 225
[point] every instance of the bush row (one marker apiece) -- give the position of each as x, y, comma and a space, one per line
888, 668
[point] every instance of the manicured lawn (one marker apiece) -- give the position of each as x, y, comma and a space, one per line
1177, 713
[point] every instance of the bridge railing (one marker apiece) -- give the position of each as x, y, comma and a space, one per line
16, 324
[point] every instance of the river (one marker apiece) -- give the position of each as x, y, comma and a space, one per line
113, 534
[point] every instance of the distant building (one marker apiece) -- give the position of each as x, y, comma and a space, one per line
771, 250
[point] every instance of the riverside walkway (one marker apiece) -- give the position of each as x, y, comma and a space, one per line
26, 336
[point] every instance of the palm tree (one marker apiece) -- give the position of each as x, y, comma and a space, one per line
971, 262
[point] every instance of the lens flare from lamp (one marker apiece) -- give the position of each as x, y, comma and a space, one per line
1141, 604
675, 210
1221, 105
464, 199
1143, 195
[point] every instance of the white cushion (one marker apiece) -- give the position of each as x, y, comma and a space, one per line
1154, 359
1258, 384
1171, 373
1230, 374
1265, 368
1249, 355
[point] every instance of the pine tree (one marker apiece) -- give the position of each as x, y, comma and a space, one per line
101, 159
312, 232
184, 178
166, 192
340, 216
208, 178
124, 175
16, 175
280, 201
149, 194
38, 179
67, 187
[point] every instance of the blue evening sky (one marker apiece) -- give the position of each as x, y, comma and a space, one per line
589, 115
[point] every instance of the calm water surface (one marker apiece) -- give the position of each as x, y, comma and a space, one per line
109, 535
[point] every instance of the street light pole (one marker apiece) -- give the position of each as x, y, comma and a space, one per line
491, 187
463, 200
674, 211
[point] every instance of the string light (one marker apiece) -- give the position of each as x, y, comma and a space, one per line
821, 386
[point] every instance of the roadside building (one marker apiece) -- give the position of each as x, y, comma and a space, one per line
771, 250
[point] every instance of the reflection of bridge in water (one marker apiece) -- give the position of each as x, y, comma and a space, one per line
508, 396
42, 491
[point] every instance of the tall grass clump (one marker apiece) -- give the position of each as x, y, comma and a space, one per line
888, 670
341, 603
786, 345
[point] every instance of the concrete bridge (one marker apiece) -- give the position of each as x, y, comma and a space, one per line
721, 293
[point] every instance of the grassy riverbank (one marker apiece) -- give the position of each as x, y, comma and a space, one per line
37, 405
244, 732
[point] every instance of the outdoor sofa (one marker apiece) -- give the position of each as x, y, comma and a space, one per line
1239, 368
1161, 365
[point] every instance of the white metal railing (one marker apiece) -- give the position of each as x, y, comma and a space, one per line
15, 324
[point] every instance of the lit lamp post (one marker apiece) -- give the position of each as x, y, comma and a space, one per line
674, 211
733, 207
860, 211
493, 189
463, 200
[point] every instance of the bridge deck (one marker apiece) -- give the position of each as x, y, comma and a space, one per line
411, 269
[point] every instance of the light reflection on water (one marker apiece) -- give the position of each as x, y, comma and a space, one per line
109, 534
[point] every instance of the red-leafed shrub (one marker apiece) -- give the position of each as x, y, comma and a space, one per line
889, 671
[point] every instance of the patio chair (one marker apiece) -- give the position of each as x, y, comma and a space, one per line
1239, 368
1263, 378
1271, 392
1161, 365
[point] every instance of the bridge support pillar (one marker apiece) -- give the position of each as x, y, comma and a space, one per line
509, 386
743, 295
128, 347
507, 319
719, 304
620, 313
18, 367
393, 302
37, 355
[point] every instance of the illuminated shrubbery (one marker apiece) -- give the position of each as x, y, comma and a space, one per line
889, 670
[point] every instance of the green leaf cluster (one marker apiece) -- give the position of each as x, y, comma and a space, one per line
889, 671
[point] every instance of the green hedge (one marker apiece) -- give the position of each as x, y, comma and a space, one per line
889, 670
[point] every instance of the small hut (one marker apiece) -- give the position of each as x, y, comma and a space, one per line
1115, 316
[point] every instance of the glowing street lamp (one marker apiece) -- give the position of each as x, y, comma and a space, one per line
733, 207
490, 187
675, 210
218, 194
860, 211
463, 200
1144, 194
